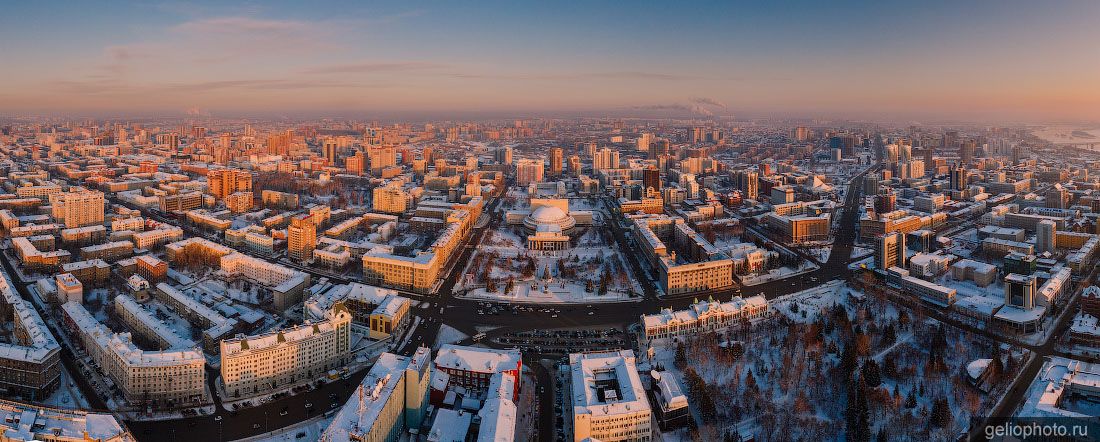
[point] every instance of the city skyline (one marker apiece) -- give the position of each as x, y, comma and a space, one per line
975, 61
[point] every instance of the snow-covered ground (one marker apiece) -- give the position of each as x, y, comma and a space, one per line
552, 292
779, 273
448, 335
756, 375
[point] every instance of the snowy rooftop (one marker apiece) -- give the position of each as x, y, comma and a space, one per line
317, 305
27, 422
122, 345
1058, 376
356, 418
1018, 315
606, 383
40, 343
702, 308
164, 332
195, 306
1085, 324
482, 360
450, 426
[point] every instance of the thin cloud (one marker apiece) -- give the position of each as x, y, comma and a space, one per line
368, 67
236, 25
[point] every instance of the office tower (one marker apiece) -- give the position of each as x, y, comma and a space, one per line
528, 171
605, 159
1045, 235
1020, 290
225, 140
644, 141
555, 161
928, 164
427, 153
381, 157
503, 155
890, 251
575, 165
81, 208
748, 182
958, 178
223, 182
651, 179
301, 238
328, 150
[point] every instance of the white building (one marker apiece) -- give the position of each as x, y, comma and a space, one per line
607, 398
702, 317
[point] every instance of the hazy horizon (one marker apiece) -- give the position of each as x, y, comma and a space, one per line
891, 60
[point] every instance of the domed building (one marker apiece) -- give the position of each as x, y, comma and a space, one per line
549, 218
548, 222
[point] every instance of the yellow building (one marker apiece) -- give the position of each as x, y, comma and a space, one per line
295, 355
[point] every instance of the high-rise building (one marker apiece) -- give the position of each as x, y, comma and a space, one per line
80, 208
966, 151
575, 165
890, 251
528, 171
328, 149
1046, 232
651, 179
605, 159
556, 155
1020, 290
958, 178
950, 139
223, 182
503, 155
381, 157
801, 133
748, 182
355, 164
301, 238
886, 201
643, 143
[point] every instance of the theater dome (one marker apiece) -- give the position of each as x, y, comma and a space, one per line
549, 216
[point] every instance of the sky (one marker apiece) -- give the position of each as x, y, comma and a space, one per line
966, 60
